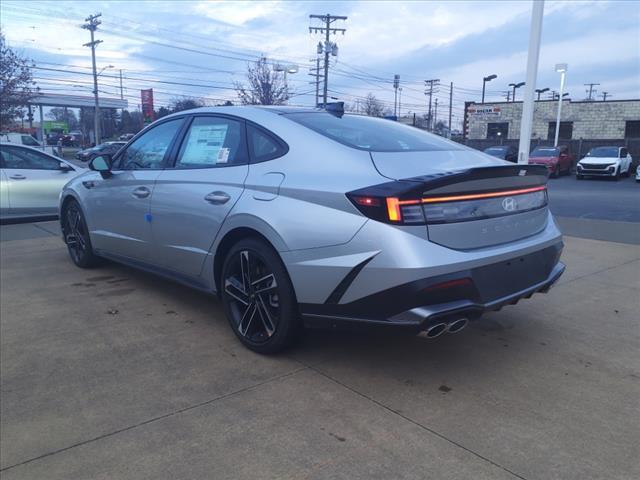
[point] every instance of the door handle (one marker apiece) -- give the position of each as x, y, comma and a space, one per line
18, 177
141, 192
217, 198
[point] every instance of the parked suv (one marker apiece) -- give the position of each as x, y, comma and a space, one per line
558, 160
605, 162
306, 217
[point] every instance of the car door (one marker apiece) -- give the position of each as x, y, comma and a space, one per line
117, 206
4, 190
193, 196
34, 181
625, 160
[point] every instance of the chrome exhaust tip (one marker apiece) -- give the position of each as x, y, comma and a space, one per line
435, 330
457, 325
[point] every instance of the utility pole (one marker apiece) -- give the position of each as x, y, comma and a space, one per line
121, 91
604, 96
396, 84
328, 47
435, 114
430, 84
92, 26
508, 95
591, 90
399, 102
450, 105
315, 72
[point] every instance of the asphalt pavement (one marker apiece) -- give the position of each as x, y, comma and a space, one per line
112, 373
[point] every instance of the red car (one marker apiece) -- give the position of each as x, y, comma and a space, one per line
557, 159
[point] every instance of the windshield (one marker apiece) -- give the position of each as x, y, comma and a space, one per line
603, 152
29, 141
372, 134
545, 152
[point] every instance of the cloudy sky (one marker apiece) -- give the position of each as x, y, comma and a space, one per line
200, 48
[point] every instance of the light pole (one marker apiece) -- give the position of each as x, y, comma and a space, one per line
286, 69
561, 68
539, 91
485, 80
515, 85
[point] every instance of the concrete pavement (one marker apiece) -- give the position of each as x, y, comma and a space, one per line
113, 373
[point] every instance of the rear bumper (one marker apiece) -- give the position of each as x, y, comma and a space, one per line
466, 294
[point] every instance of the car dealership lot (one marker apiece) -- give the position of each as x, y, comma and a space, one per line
113, 373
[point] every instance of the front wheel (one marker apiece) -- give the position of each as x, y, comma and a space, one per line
258, 297
556, 172
76, 236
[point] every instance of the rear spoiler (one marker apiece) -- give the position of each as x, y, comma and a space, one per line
472, 180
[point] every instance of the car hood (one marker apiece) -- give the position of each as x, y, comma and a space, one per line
543, 159
399, 165
599, 160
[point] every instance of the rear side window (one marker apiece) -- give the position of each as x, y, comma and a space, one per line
212, 142
29, 141
372, 134
263, 145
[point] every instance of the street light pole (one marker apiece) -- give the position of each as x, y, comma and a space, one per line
562, 69
484, 81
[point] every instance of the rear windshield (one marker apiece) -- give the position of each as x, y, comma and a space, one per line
29, 141
545, 152
603, 152
372, 134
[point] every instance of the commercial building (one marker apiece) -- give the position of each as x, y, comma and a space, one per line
587, 120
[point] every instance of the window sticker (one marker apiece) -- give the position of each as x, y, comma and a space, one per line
223, 155
204, 145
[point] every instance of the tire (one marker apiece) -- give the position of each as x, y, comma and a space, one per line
579, 177
556, 172
258, 297
76, 237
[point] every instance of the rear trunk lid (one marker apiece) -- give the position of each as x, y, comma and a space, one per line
468, 199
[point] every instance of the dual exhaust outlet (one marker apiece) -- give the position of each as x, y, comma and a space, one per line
454, 326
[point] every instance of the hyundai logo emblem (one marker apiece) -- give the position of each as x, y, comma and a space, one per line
509, 204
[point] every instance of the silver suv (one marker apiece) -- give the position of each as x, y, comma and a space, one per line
301, 217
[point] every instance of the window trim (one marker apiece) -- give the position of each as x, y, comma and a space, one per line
284, 147
177, 149
166, 157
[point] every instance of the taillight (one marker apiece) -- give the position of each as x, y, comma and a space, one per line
447, 208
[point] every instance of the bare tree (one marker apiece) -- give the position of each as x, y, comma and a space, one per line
373, 107
266, 87
15, 83
185, 103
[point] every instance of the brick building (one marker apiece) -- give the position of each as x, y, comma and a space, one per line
611, 120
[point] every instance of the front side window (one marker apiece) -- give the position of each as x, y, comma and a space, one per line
149, 150
372, 134
19, 158
212, 142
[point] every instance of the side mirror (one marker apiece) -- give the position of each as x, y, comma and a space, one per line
102, 164
65, 167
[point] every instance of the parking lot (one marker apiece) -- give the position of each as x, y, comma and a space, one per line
113, 373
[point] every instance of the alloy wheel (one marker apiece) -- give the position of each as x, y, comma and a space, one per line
252, 293
75, 234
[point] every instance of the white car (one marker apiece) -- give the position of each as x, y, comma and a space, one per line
31, 181
27, 140
638, 174
605, 162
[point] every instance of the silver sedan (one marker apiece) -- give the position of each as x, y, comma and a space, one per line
31, 181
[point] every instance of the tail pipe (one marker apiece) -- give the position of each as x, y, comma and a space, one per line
438, 329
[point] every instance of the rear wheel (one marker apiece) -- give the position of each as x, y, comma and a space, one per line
76, 236
258, 297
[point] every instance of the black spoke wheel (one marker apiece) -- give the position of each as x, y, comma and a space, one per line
258, 297
76, 236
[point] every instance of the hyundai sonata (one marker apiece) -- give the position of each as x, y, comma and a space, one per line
302, 217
